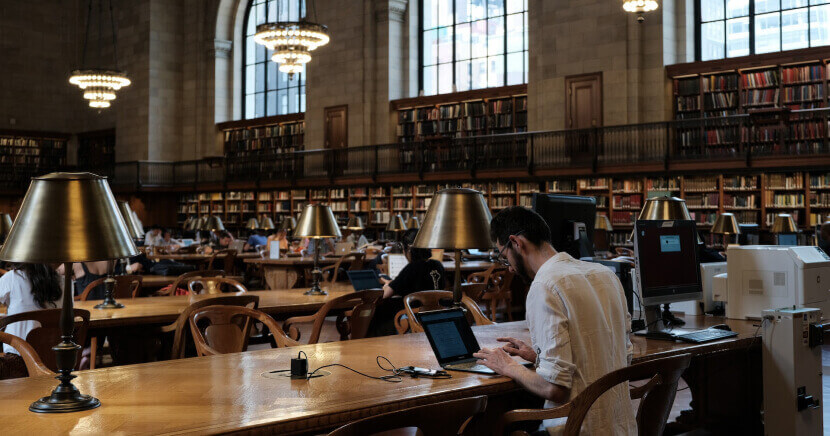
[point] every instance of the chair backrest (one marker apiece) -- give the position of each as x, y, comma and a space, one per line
127, 286
43, 338
229, 260
356, 263
181, 324
481, 276
34, 365
425, 301
444, 418
352, 323
182, 279
657, 395
214, 285
225, 329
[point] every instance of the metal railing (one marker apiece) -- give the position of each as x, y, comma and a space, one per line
741, 137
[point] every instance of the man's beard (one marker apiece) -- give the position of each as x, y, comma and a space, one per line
520, 268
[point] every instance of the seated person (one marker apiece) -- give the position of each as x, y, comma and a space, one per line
357, 237
255, 240
280, 236
223, 241
135, 265
578, 321
326, 247
27, 287
167, 242
154, 237
85, 273
420, 274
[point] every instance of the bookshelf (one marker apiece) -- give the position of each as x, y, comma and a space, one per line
263, 137
35, 150
96, 149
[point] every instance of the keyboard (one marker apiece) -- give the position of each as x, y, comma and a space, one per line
469, 366
706, 335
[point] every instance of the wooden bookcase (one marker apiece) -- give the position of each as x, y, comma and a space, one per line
34, 150
96, 149
263, 136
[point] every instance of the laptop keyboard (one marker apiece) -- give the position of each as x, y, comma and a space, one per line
470, 366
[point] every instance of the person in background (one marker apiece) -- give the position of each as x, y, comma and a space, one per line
154, 237
578, 321
420, 274
85, 273
167, 242
357, 237
27, 287
280, 236
326, 247
254, 240
223, 241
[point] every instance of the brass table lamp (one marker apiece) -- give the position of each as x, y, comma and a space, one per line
601, 222
664, 208
267, 223
726, 224
252, 224
84, 224
396, 225
457, 219
355, 223
136, 232
413, 222
317, 222
784, 223
214, 223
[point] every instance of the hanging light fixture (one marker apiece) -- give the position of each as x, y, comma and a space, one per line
639, 7
292, 41
99, 84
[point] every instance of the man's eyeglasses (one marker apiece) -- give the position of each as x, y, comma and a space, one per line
501, 256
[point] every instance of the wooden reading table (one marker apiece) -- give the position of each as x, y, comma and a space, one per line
231, 393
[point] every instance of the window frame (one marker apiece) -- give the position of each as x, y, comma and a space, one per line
751, 16
504, 53
301, 86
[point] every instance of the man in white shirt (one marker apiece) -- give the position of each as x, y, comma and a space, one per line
579, 325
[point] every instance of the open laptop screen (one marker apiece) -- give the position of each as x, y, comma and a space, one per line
364, 279
449, 334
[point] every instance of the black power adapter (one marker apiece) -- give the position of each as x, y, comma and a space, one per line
299, 366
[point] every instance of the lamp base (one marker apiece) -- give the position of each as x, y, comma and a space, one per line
65, 399
112, 304
315, 290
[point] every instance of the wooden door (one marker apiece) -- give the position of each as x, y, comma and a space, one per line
583, 106
337, 138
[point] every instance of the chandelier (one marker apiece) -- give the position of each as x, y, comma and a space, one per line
291, 41
99, 84
639, 6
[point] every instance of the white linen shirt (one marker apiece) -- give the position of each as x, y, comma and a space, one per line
579, 326
16, 294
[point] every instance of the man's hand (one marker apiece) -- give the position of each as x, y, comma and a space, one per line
497, 360
516, 347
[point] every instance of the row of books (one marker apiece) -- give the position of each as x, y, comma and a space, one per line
759, 97
702, 217
701, 183
623, 217
760, 79
501, 202
807, 131
702, 200
785, 181
31, 142
688, 104
740, 182
688, 86
772, 199
720, 100
628, 201
561, 186
820, 199
660, 184
500, 106
740, 201
285, 129
720, 83
803, 93
628, 185
402, 203
807, 73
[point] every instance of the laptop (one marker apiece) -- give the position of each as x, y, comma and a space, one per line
364, 279
343, 248
452, 340
237, 245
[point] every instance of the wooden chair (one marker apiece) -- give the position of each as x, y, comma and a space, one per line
229, 260
443, 419
214, 285
128, 286
436, 300
333, 271
499, 291
43, 338
180, 328
34, 365
656, 397
182, 280
225, 329
352, 324
482, 276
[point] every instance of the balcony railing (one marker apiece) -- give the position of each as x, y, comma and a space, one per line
741, 137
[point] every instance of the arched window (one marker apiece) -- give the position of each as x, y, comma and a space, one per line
473, 44
267, 90
729, 28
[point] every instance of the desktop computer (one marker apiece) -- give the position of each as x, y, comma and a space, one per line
571, 221
668, 271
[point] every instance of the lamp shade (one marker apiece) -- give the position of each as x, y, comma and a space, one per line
726, 224
355, 223
127, 215
138, 223
213, 223
186, 223
396, 224
603, 223
413, 222
5, 224
68, 217
664, 208
252, 224
317, 221
266, 223
288, 223
457, 219
784, 223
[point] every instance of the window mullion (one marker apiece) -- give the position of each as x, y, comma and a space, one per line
751, 27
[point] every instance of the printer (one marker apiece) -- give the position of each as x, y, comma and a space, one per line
761, 277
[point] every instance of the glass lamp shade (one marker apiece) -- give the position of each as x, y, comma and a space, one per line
413, 222
68, 217
252, 224
355, 223
784, 223
213, 223
288, 223
726, 224
603, 223
639, 6
317, 221
127, 214
396, 224
457, 219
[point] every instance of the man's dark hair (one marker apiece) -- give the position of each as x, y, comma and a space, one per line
517, 219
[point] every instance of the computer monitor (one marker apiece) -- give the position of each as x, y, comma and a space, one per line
749, 234
668, 269
787, 239
571, 221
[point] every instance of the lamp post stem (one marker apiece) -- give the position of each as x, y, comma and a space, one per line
66, 397
316, 273
456, 289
